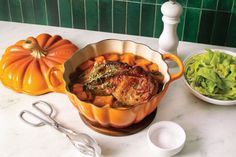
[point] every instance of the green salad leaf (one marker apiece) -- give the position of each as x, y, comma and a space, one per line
212, 74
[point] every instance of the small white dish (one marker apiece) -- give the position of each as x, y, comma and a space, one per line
205, 98
166, 138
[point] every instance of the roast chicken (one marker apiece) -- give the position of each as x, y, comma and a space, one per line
130, 85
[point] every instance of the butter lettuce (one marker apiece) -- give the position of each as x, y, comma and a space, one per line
212, 74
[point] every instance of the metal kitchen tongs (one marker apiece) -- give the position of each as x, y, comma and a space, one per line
83, 142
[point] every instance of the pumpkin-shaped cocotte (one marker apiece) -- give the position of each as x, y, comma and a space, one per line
24, 66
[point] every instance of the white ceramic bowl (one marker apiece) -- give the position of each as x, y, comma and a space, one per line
205, 98
166, 138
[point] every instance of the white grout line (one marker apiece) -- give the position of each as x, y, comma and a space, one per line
33, 11
98, 15
140, 17
126, 17
214, 22
85, 15
46, 11
59, 13
184, 20
225, 11
154, 25
199, 21
112, 16
205, 9
136, 2
21, 10
72, 15
9, 10
230, 19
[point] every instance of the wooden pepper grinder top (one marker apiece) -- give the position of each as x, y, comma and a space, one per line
168, 41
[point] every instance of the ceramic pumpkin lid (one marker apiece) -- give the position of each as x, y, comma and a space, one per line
24, 66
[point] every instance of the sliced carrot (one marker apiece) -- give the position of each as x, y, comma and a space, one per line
77, 88
87, 64
142, 61
100, 59
128, 58
103, 100
112, 57
153, 67
79, 92
82, 96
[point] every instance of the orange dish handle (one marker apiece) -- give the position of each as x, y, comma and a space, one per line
179, 63
55, 79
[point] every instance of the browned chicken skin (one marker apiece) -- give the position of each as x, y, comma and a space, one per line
130, 85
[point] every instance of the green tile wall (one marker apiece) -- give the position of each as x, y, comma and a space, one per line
206, 26
52, 12
105, 15
65, 13
119, 18
191, 26
15, 9
40, 13
133, 18
92, 14
28, 11
158, 23
78, 14
147, 19
203, 21
4, 10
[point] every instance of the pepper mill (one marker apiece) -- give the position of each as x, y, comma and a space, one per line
168, 41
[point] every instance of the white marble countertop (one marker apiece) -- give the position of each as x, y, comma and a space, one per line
210, 129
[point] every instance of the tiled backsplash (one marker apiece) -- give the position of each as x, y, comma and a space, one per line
204, 21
